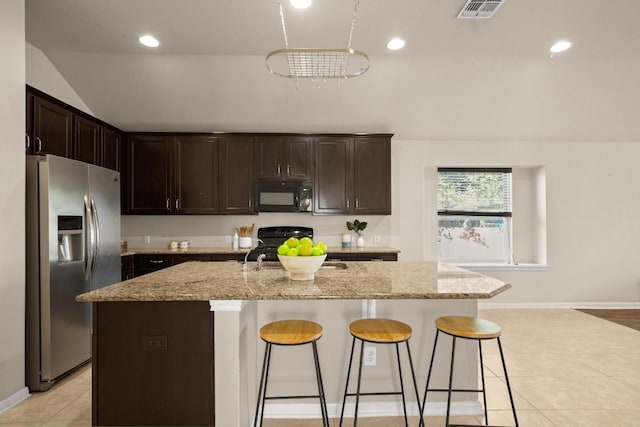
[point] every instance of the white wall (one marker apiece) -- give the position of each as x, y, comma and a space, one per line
591, 249
12, 176
593, 243
43, 75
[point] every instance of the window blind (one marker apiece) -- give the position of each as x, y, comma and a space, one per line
474, 191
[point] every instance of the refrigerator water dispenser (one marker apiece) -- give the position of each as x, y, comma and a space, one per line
70, 242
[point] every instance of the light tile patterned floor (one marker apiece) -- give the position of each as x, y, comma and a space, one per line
566, 368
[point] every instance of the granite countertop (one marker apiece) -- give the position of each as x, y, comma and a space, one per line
204, 281
228, 250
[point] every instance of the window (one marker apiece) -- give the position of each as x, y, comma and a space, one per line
474, 215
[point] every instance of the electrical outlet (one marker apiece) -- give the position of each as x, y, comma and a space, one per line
154, 343
227, 239
376, 239
147, 240
370, 356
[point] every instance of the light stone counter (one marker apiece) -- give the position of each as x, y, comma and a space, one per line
205, 281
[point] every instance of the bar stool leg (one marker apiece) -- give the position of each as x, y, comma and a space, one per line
346, 387
355, 416
484, 390
506, 378
262, 391
426, 388
415, 385
323, 402
404, 403
453, 353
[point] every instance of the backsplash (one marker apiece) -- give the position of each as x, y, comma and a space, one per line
204, 231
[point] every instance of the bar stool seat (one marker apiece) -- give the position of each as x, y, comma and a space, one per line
472, 328
379, 331
289, 333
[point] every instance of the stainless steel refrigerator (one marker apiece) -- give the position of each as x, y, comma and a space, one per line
73, 246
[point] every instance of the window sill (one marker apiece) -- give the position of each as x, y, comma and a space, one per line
502, 267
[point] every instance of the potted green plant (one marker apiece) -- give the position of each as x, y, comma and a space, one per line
358, 227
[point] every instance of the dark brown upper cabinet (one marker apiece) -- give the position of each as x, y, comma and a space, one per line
371, 175
332, 184
112, 141
149, 175
52, 128
196, 166
352, 175
29, 122
283, 158
188, 174
236, 174
88, 140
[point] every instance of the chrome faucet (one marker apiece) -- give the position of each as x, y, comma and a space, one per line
261, 257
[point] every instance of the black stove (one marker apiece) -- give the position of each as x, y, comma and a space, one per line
272, 237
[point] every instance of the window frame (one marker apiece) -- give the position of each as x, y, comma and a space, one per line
505, 212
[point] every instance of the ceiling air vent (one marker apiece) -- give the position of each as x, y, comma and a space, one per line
479, 9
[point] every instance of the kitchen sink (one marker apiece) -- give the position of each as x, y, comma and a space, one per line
333, 266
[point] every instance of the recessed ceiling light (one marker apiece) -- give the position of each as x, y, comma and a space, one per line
560, 46
395, 44
149, 41
300, 4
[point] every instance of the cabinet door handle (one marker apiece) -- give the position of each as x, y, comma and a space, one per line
168, 203
28, 142
357, 203
39, 141
156, 261
177, 204
288, 170
347, 203
278, 168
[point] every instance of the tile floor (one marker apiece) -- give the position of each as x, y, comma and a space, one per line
566, 368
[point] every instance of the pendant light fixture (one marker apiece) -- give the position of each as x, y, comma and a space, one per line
317, 63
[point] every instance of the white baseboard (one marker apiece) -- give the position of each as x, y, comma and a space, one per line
14, 399
369, 409
559, 305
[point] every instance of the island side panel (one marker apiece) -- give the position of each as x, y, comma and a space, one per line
153, 363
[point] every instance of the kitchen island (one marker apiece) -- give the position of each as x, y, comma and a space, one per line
154, 351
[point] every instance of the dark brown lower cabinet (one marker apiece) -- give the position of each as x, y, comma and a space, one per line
153, 364
126, 263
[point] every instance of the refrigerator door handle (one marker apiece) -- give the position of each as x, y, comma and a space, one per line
89, 239
96, 232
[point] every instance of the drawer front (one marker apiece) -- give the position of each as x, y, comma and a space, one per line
179, 259
144, 264
378, 257
371, 256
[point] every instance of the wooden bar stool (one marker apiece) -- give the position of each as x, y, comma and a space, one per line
379, 331
472, 328
290, 332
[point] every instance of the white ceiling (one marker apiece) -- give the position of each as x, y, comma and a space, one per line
212, 54
520, 28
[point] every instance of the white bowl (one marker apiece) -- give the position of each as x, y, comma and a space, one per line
301, 267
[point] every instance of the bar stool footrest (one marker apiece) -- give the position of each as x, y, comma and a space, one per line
313, 396
380, 393
446, 390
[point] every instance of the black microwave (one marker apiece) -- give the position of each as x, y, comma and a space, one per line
283, 196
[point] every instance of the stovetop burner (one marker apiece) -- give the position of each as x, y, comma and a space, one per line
272, 237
